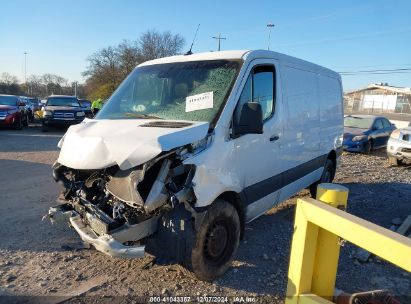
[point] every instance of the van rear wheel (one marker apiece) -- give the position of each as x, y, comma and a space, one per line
326, 177
216, 242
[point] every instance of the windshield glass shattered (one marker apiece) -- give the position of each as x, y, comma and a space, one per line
194, 91
358, 122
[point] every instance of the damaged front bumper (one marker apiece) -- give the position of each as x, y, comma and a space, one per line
105, 243
111, 244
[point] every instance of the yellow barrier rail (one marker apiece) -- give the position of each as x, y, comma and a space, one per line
318, 228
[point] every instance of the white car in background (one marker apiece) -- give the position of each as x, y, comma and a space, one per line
399, 146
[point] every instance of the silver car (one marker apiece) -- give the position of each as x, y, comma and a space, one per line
399, 146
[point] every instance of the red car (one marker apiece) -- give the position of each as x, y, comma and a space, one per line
13, 112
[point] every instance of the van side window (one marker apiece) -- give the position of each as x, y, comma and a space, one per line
259, 88
263, 89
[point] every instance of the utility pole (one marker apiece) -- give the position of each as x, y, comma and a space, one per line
75, 88
25, 67
270, 27
219, 38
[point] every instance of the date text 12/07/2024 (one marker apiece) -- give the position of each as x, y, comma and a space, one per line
202, 299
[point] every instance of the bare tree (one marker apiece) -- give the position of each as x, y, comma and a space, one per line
154, 44
8, 79
104, 67
9, 84
109, 66
129, 56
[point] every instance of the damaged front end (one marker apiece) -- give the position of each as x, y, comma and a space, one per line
117, 210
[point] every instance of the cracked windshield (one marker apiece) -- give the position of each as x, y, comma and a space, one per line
193, 91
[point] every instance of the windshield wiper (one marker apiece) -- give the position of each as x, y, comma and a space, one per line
139, 115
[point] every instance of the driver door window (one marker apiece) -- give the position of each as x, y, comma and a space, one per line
259, 88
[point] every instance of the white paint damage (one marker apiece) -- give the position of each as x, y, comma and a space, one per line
98, 144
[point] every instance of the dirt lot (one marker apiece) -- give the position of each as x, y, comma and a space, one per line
47, 263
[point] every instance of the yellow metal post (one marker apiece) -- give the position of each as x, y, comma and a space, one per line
301, 257
388, 245
315, 247
327, 247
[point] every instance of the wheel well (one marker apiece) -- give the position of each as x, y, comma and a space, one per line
235, 199
333, 157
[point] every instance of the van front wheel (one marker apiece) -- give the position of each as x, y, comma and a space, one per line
216, 241
326, 177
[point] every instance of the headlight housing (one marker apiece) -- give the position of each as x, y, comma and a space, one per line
359, 138
80, 114
396, 134
12, 111
47, 113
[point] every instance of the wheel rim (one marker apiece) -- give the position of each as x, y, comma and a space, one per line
217, 241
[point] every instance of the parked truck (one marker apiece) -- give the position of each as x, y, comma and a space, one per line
191, 148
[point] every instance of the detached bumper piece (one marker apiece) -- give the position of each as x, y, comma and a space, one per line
105, 243
110, 243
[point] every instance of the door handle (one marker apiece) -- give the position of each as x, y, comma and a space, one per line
274, 138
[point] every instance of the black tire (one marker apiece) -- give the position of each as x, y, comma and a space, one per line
19, 124
26, 121
369, 147
327, 177
44, 127
216, 242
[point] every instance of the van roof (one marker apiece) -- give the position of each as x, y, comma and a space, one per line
235, 54
198, 57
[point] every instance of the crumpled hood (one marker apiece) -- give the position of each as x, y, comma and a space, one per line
97, 144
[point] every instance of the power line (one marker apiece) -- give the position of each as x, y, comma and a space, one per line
378, 72
374, 66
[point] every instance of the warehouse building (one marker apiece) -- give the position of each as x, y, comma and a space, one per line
378, 98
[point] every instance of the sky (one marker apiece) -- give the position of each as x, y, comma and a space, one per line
346, 36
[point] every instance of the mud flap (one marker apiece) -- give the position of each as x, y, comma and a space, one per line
174, 236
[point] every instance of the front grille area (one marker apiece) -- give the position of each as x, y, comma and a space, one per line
63, 115
3, 115
406, 150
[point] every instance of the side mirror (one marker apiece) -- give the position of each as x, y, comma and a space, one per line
250, 121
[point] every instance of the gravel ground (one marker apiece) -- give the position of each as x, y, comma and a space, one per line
45, 263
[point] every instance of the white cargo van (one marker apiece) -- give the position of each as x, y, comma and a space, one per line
190, 148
